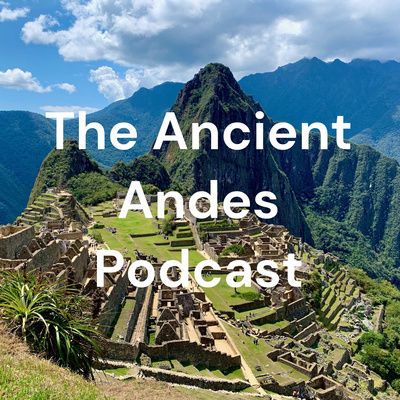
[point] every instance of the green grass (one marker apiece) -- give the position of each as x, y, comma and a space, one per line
272, 326
223, 296
118, 371
256, 356
257, 313
152, 338
136, 223
26, 377
123, 319
200, 370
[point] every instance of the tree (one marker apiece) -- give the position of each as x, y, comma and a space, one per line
167, 224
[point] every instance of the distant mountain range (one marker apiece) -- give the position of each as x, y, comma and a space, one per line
344, 201
145, 110
26, 138
366, 93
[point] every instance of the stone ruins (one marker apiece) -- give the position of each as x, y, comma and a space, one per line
310, 353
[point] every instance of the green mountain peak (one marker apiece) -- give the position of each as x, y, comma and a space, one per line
60, 166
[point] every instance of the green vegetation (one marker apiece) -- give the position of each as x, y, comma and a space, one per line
381, 351
60, 166
26, 138
202, 370
223, 296
92, 188
356, 208
359, 83
218, 225
167, 224
145, 110
341, 239
312, 288
379, 291
24, 376
118, 371
147, 169
138, 225
235, 249
256, 357
97, 235
73, 170
380, 358
50, 319
121, 325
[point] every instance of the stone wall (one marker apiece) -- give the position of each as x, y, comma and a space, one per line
193, 380
286, 390
45, 257
140, 295
306, 321
80, 263
288, 311
9, 264
379, 318
251, 305
115, 296
140, 331
343, 359
12, 238
77, 235
296, 309
194, 353
309, 341
306, 331
120, 351
308, 369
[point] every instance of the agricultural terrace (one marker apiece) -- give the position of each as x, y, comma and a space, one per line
116, 234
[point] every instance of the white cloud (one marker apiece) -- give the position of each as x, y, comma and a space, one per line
18, 79
21, 80
114, 87
68, 87
154, 38
35, 31
9, 14
111, 86
74, 109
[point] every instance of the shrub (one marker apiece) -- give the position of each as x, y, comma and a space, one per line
233, 248
50, 319
396, 385
97, 237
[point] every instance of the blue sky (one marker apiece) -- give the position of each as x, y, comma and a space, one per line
45, 64
88, 53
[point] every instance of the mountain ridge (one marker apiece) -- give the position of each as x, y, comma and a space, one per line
365, 92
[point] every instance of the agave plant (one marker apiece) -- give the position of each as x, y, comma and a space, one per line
50, 318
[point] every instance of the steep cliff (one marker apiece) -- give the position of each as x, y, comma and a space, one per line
213, 95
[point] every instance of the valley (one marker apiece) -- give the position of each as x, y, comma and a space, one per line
338, 214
